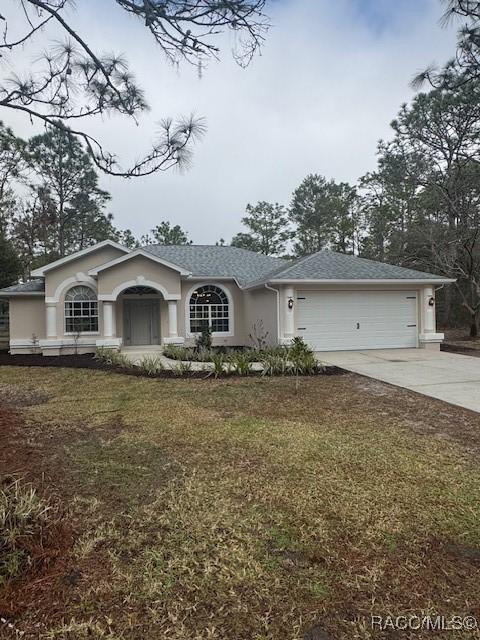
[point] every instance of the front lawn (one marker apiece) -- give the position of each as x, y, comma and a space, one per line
239, 509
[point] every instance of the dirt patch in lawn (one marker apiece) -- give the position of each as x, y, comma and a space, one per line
39, 583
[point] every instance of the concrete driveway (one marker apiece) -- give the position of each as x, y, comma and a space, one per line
450, 377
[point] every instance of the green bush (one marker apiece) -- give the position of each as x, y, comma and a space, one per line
23, 518
301, 358
204, 339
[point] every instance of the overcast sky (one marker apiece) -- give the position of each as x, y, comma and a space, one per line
331, 77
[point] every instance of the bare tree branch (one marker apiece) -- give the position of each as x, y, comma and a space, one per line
70, 81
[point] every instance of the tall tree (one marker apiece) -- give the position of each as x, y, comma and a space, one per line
71, 82
325, 214
464, 67
67, 197
12, 166
430, 207
390, 204
165, 234
268, 227
10, 264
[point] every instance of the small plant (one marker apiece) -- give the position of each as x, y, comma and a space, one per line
174, 352
203, 354
35, 342
23, 518
301, 357
182, 368
151, 365
219, 362
275, 364
259, 336
241, 362
76, 338
204, 339
112, 357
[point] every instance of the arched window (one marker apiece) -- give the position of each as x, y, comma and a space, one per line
209, 305
81, 310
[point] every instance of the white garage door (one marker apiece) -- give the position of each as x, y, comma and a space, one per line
342, 320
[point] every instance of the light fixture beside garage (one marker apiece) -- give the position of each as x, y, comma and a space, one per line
431, 301
290, 303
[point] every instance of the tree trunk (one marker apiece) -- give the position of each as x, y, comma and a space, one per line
474, 325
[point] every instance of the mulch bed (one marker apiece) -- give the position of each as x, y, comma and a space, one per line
457, 348
87, 361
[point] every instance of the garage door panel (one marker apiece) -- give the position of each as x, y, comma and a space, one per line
385, 319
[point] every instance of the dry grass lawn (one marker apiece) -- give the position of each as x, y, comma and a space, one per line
239, 509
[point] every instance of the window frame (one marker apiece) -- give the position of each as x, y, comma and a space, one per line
93, 304
188, 318
4, 317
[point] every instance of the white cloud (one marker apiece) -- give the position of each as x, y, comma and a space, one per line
330, 79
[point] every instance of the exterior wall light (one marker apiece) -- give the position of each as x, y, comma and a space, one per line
290, 303
431, 301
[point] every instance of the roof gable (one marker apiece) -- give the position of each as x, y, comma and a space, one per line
135, 254
41, 271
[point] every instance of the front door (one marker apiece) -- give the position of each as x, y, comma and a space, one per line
142, 322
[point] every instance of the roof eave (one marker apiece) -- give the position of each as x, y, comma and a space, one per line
416, 281
21, 294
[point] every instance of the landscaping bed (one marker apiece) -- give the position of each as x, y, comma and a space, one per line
121, 365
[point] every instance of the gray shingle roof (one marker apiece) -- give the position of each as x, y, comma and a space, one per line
251, 269
34, 286
217, 261
329, 265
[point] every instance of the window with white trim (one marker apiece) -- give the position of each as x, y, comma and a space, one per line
209, 306
81, 310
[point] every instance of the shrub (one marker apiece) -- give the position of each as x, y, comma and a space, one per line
203, 354
174, 352
241, 362
23, 518
189, 353
204, 340
301, 357
112, 357
275, 364
151, 365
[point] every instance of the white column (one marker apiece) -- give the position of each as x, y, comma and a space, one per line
51, 311
289, 317
429, 310
108, 319
172, 319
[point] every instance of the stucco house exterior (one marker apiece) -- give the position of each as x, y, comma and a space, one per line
110, 296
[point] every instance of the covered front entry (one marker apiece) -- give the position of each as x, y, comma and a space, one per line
141, 321
347, 320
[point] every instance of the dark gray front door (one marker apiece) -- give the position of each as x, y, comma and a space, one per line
142, 322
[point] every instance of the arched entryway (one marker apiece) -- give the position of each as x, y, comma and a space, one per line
141, 316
